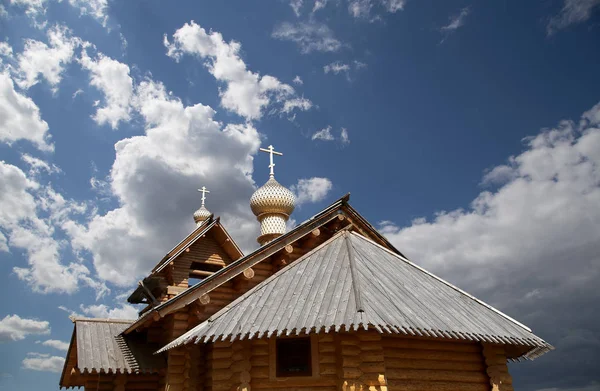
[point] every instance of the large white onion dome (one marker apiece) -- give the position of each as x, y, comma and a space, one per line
272, 205
272, 197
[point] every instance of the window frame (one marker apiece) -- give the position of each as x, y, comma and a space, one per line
314, 358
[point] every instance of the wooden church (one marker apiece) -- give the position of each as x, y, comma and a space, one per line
329, 305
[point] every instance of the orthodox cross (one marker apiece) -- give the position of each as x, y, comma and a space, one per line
271, 152
203, 191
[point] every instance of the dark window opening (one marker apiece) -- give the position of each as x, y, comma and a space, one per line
293, 357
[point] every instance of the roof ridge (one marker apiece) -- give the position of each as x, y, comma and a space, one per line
404, 259
102, 320
353, 273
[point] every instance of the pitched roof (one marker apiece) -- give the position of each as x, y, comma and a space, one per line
99, 345
351, 282
139, 293
331, 212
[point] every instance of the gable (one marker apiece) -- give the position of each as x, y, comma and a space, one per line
205, 251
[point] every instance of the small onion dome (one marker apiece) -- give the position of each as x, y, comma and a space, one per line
272, 198
201, 215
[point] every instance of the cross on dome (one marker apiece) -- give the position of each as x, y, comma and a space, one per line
271, 152
203, 191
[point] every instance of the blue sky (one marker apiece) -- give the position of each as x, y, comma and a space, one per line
467, 131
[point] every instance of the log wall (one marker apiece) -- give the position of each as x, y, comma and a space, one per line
425, 365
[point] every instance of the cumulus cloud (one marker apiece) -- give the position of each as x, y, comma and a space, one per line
23, 199
572, 12
35, 9
246, 93
311, 190
338, 67
309, 36
39, 59
15, 328
125, 311
43, 362
37, 165
20, 117
360, 8
530, 246
323, 134
56, 344
112, 78
154, 178
98, 9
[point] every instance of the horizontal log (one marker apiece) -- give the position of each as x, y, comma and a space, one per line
259, 372
327, 358
437, 386
295, 382
432, 355
406, 343
438, 375
327, 369
434, 364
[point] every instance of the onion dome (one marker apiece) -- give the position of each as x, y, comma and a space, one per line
272, 198
201, 215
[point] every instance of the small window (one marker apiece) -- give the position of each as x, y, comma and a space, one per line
294, 357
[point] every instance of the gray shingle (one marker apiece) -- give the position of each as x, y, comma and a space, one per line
351, 282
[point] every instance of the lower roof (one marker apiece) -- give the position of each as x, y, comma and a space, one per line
351, 282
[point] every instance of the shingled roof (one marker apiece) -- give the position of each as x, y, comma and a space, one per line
351, 282
98, 346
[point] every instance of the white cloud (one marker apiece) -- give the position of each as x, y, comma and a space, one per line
125, 311
15, 328
20, 117
457, 20
154, 178
36, 165
98, 9
77, 93
3, 12
5, 50
296, 5
246, 93
319, 4
336, 67
21, 199
311, 36
344, 137
56, 344
311, 190
34, 9
302, 104
112, 78
530, 245
323, 134
297, 80
573, 12
46, 60
360, 8
43, 362
394, 5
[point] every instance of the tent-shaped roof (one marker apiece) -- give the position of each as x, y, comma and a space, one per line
351, 282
